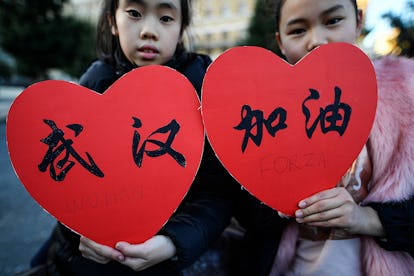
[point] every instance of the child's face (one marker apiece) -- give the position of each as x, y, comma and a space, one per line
306, 24
148, 30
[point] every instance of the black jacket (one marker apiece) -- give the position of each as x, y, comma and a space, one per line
202, 216
397, 219
213, 199
204, 212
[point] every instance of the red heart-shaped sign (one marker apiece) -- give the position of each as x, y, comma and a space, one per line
286, 132
112, 167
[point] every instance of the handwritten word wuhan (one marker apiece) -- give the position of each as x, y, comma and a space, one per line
334, 117
58, 146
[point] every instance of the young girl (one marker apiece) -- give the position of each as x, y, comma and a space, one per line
134, 33
345, 230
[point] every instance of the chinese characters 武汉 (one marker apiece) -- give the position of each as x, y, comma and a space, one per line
163, 147
59, 145
334, 117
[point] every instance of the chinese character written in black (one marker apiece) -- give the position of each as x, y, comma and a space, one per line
59, 145
164, 147
335, 117
254, 119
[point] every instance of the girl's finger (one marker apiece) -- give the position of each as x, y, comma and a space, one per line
136, 264
332, 223
93, 250
323, 216
319, 207
326, 194
97, 258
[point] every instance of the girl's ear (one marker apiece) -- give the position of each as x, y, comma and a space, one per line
112, 24
279, 43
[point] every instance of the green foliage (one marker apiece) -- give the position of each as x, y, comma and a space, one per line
40, 37
405, 39
262, 28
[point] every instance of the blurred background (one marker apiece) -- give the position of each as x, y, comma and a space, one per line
54, 39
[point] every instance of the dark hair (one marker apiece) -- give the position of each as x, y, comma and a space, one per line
107, 45
279, 4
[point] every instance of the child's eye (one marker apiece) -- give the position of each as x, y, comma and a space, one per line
297, 31
134, 13
166, 19
334, 21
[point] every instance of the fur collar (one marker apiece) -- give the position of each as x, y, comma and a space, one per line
391, 148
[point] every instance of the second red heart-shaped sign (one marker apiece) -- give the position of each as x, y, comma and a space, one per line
286, 132
112, 167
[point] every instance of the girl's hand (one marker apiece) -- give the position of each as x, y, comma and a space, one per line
141, 256
336, 208
97, 252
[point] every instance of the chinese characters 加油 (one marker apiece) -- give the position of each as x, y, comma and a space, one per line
334, 117
330, 118
254, 119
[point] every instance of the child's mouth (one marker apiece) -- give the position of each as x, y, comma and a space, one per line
148, 52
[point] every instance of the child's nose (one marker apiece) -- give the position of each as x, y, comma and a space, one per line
148, 30
317, 38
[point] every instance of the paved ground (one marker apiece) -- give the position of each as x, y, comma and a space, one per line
24, 225
7, 95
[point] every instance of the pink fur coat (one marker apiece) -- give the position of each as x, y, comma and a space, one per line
392, 153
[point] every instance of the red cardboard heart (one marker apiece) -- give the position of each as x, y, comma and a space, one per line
286, 132
112, 167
